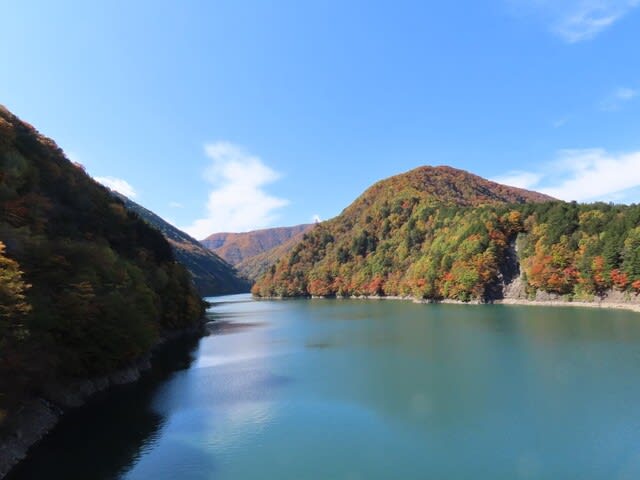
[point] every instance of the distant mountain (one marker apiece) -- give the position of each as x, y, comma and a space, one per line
211, 274
254, 267
239, 249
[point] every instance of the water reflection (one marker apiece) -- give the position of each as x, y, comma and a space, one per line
119, 422
376, 390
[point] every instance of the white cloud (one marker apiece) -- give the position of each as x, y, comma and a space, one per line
175, 205
119, 185
560, 122
585, 175
578, 20
624, 93
594, 174
316, 218
238, 201
519, 179
615, 99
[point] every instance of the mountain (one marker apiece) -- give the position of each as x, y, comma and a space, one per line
86, 287
236, 247
211, 274
438, 233
253, 267
240, 249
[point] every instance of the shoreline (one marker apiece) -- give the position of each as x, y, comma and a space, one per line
552, 302
39, 415
633, 307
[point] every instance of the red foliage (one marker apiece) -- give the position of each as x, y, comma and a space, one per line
375, 286
620, 279
319, 288
600, 280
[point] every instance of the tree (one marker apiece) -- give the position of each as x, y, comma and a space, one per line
13, 300
631, 254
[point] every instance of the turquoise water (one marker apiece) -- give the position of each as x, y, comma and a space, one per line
355, 389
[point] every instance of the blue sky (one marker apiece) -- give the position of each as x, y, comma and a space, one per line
234, 115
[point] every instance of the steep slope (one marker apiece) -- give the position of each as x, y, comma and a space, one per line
236, 247
86, 286
211, 274
254, 267
431, 232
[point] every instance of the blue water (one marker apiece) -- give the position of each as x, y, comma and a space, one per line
355, 389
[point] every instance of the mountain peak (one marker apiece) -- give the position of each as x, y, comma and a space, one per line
452, 185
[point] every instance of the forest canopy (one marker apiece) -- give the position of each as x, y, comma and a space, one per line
85, 285
440, 233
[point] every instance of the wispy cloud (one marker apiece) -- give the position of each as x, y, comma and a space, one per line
175, 205
316, 218
617, 98
119, 185
560, 122
238, 201
584, 175
520, 179
578, 20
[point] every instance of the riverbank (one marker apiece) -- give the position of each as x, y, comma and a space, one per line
611, 300
38, 416
634, 307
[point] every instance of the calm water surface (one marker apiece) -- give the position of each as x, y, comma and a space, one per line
349, 389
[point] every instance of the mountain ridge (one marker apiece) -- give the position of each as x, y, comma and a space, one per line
240, 248
211, 274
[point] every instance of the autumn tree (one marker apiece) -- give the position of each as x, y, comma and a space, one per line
13, 301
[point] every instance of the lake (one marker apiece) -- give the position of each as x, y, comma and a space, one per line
357, 389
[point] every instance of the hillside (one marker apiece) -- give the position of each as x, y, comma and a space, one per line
211, 274
254, 267
239, 248
86, 287
438, 232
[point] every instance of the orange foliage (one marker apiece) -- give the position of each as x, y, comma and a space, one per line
319, 288
620, 279
375, 286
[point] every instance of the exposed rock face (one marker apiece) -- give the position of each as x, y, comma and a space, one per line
38, 416
508, 281
35, 419
513, 289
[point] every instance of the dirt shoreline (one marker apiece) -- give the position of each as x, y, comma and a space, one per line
551, 302
634, 307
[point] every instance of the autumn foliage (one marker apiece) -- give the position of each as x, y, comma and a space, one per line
85, 285
439, 233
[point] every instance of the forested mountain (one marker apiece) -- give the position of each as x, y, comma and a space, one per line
438, 232
85, 285
236, 247
211, 274
255, 266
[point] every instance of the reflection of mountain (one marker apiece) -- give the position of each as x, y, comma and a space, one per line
122, 423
